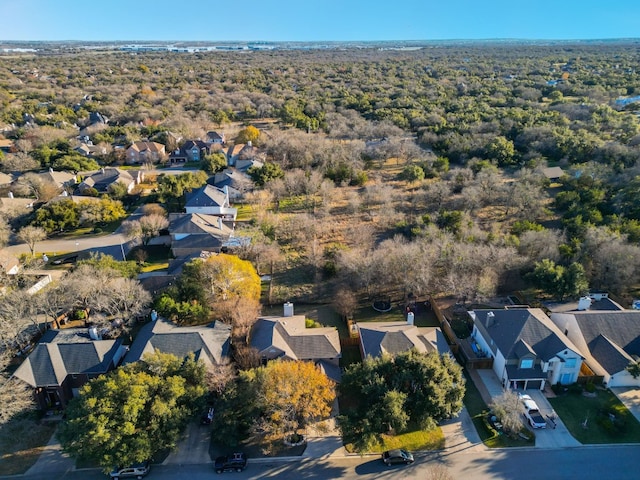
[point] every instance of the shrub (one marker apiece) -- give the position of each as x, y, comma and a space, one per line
590, 387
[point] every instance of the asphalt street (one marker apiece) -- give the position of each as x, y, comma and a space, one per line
583, 463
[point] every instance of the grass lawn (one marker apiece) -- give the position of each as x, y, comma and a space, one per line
424, 317
244, 213
574, 409
418, 440
478, 410
21, 443
157, 257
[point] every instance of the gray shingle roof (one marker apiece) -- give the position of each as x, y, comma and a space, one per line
207, 196
377, 338
197, 223
531, 325
288, 337
612, 337
67, 352
209, 343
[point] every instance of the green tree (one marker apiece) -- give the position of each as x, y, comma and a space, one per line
409, 390
412, 173
172, 188
262, 175
101, 261
214, 162
558, 280
104, 210
128, 415
502, 150
58, 216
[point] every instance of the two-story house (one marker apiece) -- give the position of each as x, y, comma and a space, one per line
140, 152
528, 349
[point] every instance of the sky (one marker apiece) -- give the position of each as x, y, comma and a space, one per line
317, 20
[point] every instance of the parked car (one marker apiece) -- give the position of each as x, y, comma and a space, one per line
138, 470
391, 457
532, 412
236, 462
207, 416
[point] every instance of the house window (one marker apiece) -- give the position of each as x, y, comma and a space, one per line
570, 362
526, 363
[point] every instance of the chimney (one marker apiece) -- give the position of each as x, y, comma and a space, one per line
249, 144
410, 318
220, 223
93, 333
102, 170
288, 309
50, 170
225, 189
491, 319
10, 194
584, 303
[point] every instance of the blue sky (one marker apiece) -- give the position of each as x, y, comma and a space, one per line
313, 20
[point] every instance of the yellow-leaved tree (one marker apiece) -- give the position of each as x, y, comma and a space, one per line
290, 394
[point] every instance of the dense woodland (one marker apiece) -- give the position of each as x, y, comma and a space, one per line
389, 172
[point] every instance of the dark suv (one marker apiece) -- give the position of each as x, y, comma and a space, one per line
230, 463
391, 457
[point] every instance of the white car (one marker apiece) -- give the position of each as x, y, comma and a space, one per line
532, 412
139, 470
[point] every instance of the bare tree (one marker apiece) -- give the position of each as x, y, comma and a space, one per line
151, 225
508, 409
218, 376
5, 231
246, 357
345, 302
31, 235
16, 397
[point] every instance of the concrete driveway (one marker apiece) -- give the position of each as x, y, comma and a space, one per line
630, 397
550, 437
193, 448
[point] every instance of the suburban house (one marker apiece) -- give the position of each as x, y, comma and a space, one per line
208, 343
392, 338
211, 200
6, 146
59, 179
15, 206
288, 338
215, 137
195, 232
527, 348
145, 151
64, 361
238, 183
90, 150
233, 152
193, 151
553, 173
9, 265
105, 177
5, 179
242, 165
609, 341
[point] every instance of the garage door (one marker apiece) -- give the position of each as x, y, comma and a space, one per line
534, 384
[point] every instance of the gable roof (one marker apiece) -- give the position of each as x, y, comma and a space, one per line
144, 146
5, 179
209, 343
288, 337
59, 178
611, 338
105, 177
517, 331
378, 338
552, 172
233, 178
67, 352
198, 224
207, 196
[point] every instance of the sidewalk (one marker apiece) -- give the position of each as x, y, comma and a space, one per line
52, 460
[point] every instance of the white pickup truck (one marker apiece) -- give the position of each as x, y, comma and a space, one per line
532, 413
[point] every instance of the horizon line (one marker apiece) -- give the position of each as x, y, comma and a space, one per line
483, 39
